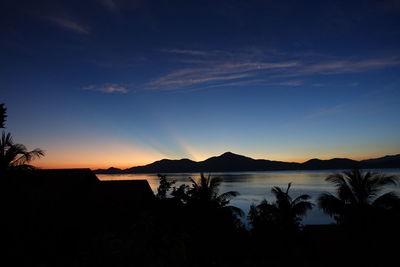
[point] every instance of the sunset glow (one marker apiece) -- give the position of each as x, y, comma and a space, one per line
112, 83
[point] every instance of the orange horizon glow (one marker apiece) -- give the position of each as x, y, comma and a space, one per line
103, 152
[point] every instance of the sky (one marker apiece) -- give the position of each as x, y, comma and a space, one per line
103, 83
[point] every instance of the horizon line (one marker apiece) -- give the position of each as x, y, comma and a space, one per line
79, 166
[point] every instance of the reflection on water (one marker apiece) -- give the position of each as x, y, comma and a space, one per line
255, 186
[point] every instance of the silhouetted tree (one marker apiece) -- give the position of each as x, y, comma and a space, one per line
164, 186
188, 218
205, 192
212, 218
275, 228
180, 193
3, 115
358, 194
15, 156
285, 213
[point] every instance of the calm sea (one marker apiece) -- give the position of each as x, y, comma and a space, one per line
255, 186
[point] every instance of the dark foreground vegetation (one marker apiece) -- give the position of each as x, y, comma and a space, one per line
70, 218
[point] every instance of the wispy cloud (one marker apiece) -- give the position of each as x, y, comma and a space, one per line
190, 52
217, 68
219, 71
70, 25
343, 66
108, 88
353, 66
238, 83
289, 83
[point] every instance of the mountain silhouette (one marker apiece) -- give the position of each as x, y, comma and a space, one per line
166, 166
336, 163
111, 170
230, 162
383, 162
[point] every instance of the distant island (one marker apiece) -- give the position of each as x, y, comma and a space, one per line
230, 162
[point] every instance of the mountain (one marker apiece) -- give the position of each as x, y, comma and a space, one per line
111, 170
384, 162
165, 166
336, 163
230, 162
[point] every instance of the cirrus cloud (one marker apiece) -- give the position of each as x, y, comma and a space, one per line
108, 88
217, 68
215, 72
70, 25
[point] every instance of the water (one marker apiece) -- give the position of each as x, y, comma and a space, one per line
255, 186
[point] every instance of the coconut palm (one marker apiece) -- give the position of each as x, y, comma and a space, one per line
15, 156
205, 191
358, 193
285, 212
2, 115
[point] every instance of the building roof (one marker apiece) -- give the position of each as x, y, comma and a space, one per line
74, 185
123, 194
62, 177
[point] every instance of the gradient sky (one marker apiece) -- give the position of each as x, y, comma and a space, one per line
122, 83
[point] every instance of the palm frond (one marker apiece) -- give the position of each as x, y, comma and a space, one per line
300, 198
253, 214
235, 211
13, 155
213, 185
388, 201
288, 187
336, 179
301, 208
6, 139
3, 115
204, 181
27, 157
229, 195
214, 182
330, 204
343, 187
194, 183
383, 179
276, 190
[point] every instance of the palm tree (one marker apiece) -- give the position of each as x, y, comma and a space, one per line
15, 156
3, 115
285, 213
358, 194
205, 193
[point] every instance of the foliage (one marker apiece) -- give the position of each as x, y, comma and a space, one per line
358, 194
164, 186
180, 193
201, 196
284, 213
205, 192
3, 112
16, 156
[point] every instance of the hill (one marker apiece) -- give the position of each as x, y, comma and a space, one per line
230, 162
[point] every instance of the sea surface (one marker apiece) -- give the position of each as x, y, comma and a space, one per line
256, 186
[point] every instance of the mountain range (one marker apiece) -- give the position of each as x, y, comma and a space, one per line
230, 162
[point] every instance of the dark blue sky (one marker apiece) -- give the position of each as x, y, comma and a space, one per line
108, 82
